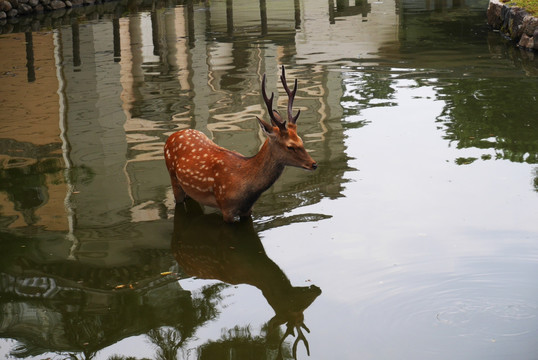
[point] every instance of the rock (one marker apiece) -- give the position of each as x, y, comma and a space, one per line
526, 41
45, 2
12, 13
57, 4
531, 25
24, 9
5, 6
3, 15
516, 22
88, 2
33, 3
39, 8
494, 14
68, 4
77, 2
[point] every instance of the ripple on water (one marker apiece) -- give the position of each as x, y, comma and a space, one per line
487, 307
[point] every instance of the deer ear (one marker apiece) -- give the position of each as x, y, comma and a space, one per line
267, 129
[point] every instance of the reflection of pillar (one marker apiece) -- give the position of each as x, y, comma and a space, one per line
30, 56
229, 17
76, 44
457, 4
190, 23
331, 12
94, 128
297, 6
263, 16
155, 33
117, 42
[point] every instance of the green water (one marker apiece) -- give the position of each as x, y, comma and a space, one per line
416, 237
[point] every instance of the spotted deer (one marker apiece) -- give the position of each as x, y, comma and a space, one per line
224, 179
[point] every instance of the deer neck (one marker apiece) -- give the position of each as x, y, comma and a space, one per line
264, 169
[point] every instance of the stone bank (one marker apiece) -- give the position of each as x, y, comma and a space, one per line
514, 22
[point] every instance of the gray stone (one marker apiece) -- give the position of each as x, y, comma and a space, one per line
494, 14
57, 4
3, 15
45, 2
12, 13
531, 25
526, 41
5, 6
516, 22
24, 9
14, 3
68, 4
33, 3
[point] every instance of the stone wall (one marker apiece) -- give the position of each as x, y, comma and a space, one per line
15, 8
515, 23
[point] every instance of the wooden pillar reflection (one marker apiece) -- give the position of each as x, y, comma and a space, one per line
297, 6
190, 24
331, 12
155, 33
30, 56
263, 16
116, 39
229, 17
76, 46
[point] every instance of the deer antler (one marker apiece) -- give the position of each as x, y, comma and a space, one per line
300, 336
276, 119
291, 96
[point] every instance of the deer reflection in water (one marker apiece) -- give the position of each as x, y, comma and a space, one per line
208, 248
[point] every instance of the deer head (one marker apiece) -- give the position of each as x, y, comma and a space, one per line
283, 139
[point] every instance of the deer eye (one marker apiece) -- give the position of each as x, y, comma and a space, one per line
291, 148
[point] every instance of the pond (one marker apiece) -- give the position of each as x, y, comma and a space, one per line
416, 237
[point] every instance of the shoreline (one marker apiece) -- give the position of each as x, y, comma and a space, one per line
515, 23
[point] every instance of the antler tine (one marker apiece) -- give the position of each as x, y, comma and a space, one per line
289, 331
291, 96
300, 336
276, 120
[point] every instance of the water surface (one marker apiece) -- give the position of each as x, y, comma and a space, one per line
415, 238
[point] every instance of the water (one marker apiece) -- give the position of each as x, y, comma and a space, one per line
415, 238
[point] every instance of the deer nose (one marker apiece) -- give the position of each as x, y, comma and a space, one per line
314, 166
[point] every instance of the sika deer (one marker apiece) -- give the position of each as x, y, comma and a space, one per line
227, 180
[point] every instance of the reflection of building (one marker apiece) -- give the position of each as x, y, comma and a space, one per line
119, 88
29, 141
123, 86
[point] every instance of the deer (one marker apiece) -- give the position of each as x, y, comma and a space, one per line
225, 179
207, 248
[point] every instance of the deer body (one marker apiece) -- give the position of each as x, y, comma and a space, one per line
221, 178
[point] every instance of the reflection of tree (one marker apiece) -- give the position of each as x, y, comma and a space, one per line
53, 307
484, 114
240, 342
168, 340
